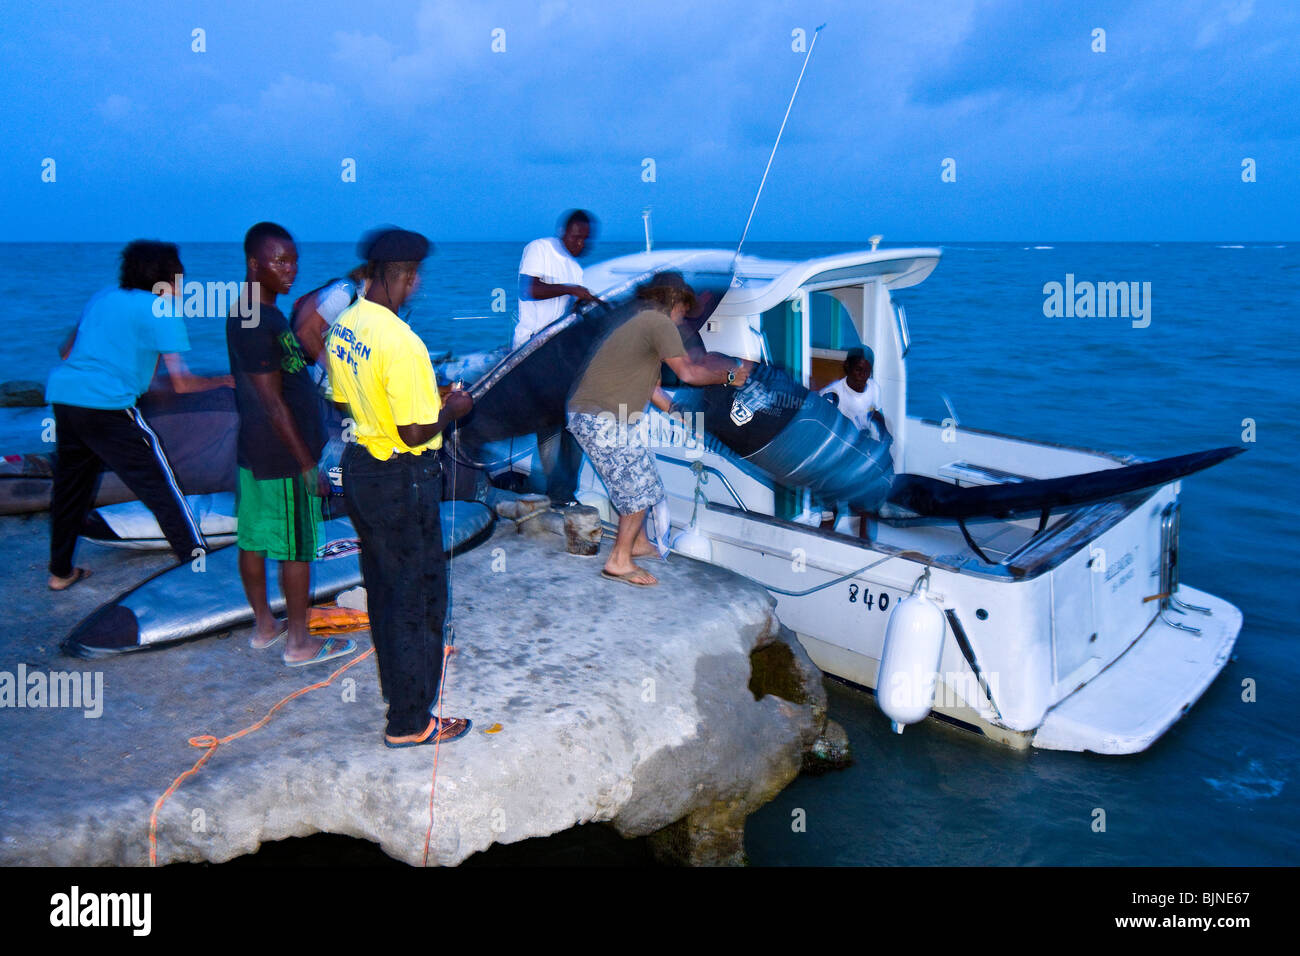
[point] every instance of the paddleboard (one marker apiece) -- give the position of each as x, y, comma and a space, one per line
185, 602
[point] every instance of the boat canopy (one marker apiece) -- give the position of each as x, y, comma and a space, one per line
761, 284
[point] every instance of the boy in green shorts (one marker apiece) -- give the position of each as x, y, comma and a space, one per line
281, 435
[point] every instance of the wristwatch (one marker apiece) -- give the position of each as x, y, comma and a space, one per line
731, 377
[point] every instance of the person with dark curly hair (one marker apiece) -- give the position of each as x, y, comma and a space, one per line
108, 362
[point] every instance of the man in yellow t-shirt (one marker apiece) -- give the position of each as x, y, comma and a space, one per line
392, 482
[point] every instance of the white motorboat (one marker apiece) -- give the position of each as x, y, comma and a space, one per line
1069, 631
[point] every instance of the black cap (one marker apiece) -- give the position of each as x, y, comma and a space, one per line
391, 244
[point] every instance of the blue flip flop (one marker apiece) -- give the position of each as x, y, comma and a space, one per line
279, 636
328, 652
449, 729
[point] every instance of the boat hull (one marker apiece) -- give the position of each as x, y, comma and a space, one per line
1075, 653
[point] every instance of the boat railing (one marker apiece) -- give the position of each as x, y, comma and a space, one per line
1168, 593
740, 502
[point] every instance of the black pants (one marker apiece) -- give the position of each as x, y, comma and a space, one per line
92, 439
395, 509
560, 456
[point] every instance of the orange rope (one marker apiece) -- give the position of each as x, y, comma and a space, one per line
210, 744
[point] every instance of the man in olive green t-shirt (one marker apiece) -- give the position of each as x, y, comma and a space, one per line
618, 383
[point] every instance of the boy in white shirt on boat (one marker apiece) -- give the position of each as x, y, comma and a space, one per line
857, 396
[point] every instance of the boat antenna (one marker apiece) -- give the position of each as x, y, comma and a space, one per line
807, 57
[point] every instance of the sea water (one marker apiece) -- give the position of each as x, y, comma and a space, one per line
1215, 364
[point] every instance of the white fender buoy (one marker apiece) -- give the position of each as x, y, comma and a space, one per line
693, 544
909, 664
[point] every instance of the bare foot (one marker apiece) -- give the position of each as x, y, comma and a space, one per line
62, 584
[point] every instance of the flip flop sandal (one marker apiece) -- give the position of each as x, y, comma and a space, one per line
284, 629
626, 578
449, 729
330, 650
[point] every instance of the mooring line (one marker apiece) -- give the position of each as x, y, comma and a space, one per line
209, 743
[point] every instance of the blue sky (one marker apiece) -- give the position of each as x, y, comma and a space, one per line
1051, 140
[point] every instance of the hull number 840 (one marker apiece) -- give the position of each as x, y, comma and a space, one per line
869, 600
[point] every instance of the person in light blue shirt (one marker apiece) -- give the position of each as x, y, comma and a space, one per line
108, 363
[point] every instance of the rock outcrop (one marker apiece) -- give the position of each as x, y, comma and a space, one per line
22, 394
670, 712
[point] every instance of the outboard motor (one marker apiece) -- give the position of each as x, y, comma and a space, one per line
909, 664
796, 436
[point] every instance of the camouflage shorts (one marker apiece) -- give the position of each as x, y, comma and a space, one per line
621, 459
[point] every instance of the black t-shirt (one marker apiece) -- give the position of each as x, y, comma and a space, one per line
269, 346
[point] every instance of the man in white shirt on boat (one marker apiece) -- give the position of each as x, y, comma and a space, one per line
550, 279
857, 396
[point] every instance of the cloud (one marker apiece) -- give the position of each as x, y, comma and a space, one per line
1029, 60
1228, 15
292, 96
551, 11
117, 107
445, 40
1044, 130
288, 106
